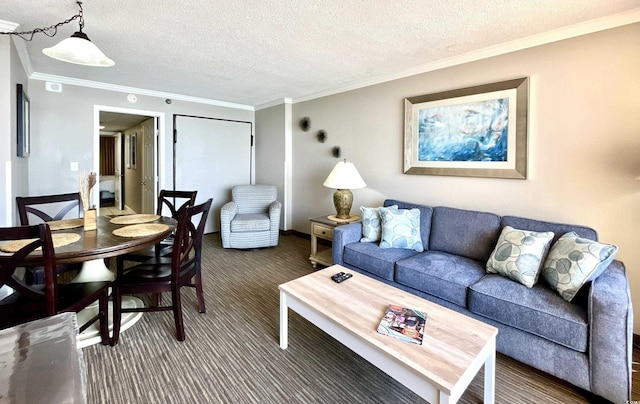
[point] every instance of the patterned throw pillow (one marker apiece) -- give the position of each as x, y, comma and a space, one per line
371, 224
400, 228
518, 255
573, 261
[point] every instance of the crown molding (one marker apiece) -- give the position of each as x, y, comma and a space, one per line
21, 47
23, 54
139, 91
285, 100
8, 26
587, 27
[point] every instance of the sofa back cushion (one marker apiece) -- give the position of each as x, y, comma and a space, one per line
558, 229
426, 212
467, 233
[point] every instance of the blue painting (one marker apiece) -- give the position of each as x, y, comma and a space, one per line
472, 131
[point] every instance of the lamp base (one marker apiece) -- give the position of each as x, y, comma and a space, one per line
342, 200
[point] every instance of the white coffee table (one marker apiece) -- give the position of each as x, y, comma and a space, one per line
454, 347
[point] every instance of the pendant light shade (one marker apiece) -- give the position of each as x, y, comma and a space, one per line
80, 50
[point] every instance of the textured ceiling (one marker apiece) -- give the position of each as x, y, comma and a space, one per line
254, 52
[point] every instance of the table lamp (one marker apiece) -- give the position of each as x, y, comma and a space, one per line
343, 178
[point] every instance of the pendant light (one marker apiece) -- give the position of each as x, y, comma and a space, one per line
77, 49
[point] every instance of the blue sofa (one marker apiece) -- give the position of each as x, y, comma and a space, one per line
587, 342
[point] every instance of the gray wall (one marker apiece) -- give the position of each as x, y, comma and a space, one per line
63, 131
270, 152
11, 73
584, 141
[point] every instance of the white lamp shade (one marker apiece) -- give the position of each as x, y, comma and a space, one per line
344, 176
79, 51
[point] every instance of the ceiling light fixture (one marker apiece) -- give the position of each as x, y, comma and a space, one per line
77, 49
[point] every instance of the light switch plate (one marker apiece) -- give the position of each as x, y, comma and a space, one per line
74, 166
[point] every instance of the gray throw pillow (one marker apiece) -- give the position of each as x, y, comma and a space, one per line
573, 261
519, 255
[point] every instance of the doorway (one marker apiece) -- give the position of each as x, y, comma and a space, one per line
137, 141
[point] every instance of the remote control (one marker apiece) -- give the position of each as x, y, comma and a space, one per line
340, 277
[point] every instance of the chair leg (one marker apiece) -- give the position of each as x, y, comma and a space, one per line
156, 299
177, 312
103, 306
200, 294
117, 315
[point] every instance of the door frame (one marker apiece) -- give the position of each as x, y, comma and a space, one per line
159, 149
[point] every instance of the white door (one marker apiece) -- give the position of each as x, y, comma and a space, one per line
117, 187
211, 156
148, 166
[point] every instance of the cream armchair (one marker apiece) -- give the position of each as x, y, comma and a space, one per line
252, 218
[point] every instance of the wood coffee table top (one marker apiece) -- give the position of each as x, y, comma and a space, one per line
452, 341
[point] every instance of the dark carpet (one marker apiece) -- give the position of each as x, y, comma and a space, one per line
231, 354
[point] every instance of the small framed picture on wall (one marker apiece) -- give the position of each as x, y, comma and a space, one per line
133, 150
23, 123
127, 151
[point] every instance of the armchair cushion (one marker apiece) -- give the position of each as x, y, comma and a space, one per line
250, 222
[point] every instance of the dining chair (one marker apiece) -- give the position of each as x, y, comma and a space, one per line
25, 302
170, 204
166, 274
46, 208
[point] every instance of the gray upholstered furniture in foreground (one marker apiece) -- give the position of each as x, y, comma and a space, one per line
587, 342
252, 218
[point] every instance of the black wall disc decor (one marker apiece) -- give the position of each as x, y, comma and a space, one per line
336, 151
322, 136
305, 124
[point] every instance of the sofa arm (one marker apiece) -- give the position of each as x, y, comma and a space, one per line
227, 213
343, 235
611, 333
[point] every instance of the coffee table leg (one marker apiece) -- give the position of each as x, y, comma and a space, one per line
490, 376
283, 320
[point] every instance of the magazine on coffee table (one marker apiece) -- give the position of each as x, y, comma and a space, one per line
403, 323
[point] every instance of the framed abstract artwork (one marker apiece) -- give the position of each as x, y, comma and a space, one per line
478, 131
23, 123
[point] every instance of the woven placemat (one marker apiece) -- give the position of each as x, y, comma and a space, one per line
140, 230
134, 219
65, 224
59, 240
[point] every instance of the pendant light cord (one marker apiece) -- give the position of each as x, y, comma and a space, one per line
49, 31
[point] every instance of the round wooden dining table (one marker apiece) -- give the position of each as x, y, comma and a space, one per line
102, 243
91, 249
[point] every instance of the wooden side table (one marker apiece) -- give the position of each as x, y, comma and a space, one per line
322, 228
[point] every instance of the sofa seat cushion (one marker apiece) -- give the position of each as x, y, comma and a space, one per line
371, 258
537, 310
250, 222
440, 274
